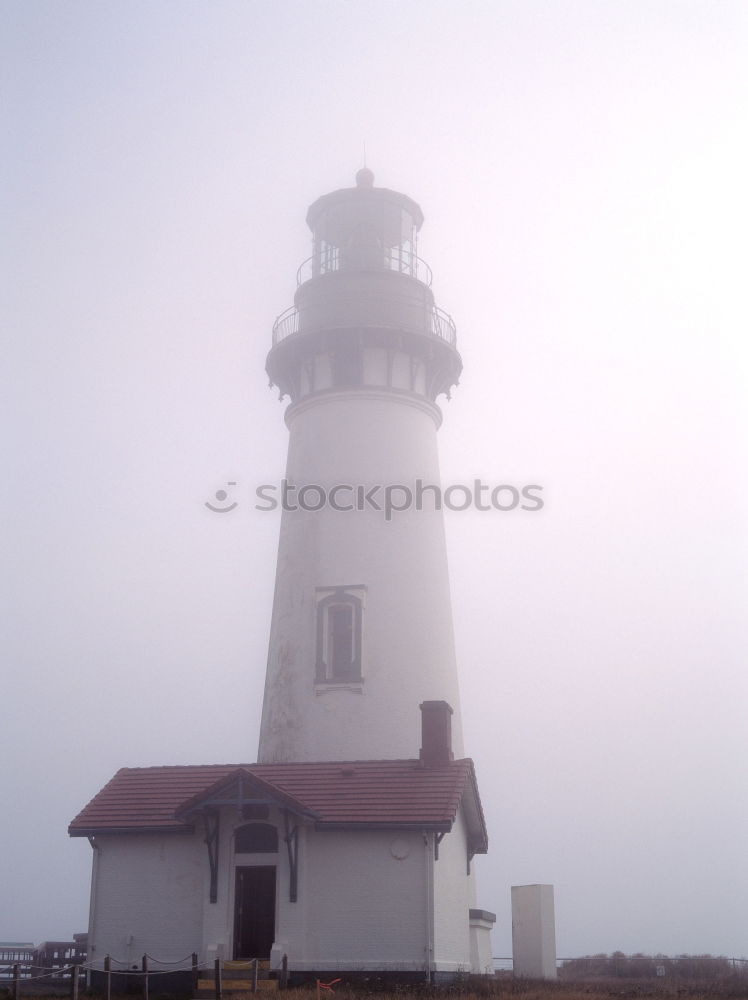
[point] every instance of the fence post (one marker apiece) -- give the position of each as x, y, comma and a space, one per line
255, 966
145, 977
284, 973
74, 974
195, 973
16, 981
108, 974
217, 975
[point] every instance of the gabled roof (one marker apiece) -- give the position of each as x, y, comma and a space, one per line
239, 788
368, 794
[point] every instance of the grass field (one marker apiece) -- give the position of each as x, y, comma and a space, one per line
733, 988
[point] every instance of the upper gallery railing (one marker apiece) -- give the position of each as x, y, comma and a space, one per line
398, 259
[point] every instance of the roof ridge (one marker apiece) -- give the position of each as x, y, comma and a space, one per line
172, 767
284, 763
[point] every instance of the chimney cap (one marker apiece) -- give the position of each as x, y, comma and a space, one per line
434, 706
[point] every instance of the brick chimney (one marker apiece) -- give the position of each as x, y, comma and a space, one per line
436, 733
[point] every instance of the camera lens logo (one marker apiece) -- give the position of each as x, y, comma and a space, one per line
222, 496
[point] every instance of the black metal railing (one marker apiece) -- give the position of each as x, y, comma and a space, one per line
398, 259
443, 326
438, 323
286, 325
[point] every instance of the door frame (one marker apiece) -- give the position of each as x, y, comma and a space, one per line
238, 868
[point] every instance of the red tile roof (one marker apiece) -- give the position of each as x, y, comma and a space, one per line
370, 793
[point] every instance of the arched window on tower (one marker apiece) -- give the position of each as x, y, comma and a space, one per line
256, 838
339, 627
342, 653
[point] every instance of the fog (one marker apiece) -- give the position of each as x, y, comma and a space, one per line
581, 167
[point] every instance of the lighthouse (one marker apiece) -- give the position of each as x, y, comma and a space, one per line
361, 628
346, 850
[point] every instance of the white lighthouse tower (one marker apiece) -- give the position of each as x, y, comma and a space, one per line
362, 628
346, 850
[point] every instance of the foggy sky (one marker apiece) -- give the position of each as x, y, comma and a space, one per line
581, 166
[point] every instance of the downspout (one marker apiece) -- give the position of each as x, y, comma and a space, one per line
91, 947
429, 855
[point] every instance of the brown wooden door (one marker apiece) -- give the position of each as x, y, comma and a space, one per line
254, 911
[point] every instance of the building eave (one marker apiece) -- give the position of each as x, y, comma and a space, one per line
443, 827
100, 831
473, 811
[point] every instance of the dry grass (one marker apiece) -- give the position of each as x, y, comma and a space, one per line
503, 988
736, 988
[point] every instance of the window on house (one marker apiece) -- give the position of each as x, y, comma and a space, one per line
339, 620
256, 838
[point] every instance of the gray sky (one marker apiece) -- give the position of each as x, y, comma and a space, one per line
582, 168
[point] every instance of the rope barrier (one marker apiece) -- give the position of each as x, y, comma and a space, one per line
27, 975
187, 962
137, 971
51, 974
167, 972
179, 961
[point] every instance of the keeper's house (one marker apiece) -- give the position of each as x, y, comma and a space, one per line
340, 867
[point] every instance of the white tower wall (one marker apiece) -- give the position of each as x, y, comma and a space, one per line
397, 568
